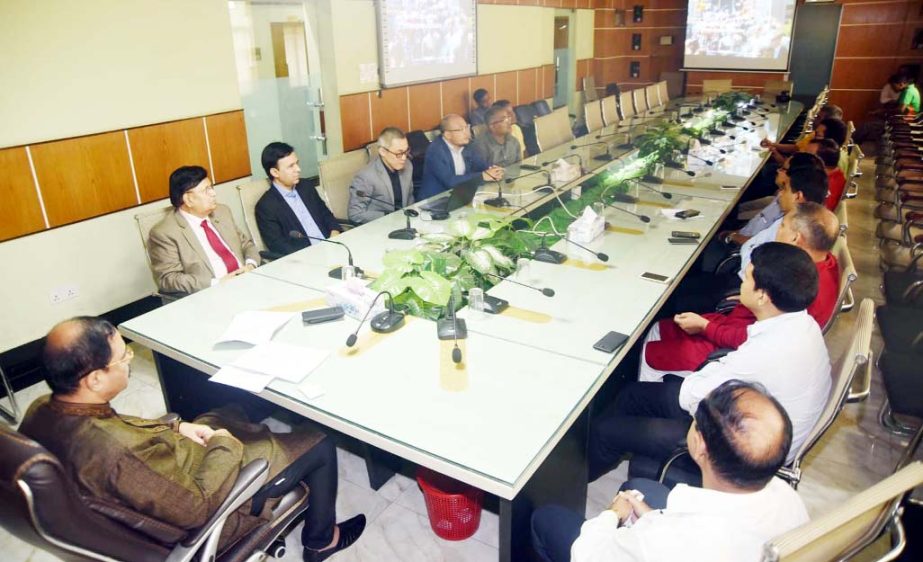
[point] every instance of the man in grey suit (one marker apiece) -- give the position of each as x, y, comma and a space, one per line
386, 183
197, 245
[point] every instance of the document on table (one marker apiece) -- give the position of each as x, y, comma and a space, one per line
273, 360
255, 326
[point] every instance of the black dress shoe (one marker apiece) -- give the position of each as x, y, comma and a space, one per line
350, 531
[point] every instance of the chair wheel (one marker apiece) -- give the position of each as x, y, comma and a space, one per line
277, 549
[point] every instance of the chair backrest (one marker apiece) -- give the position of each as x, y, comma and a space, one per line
850, 129
610, 110
637, 97
525, 114
478, 130
541, 107
336, 174
717, 86
147, 221
418, 142
848, 276
663, 92
776, 87
40, 505
589, 89
593, 115
842, 216
553, 129
847, 529
249, 193
653, 96
822, 96
626, 106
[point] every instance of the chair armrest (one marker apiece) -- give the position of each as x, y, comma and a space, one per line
732, 261
677, 454
714, 356
268, 256
726, 305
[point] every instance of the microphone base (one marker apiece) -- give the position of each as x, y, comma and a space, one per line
337, 273
387, 321
495, 305
438, 215
652, 179
625, 146
548, 255
448, 329
498, 202
403, 234
604, 157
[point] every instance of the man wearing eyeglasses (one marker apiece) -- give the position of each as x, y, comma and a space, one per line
497, 146
449, 162
386, 183
198, 245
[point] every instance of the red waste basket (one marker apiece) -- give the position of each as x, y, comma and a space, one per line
454, 508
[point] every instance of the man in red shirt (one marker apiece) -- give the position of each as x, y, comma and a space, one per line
829, 153
679, 345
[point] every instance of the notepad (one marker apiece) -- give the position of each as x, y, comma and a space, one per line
255, 326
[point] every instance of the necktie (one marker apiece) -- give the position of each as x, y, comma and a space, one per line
226, 256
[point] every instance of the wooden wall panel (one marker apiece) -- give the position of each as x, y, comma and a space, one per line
860, 74
855, 104
84, 177
548, 81
425, 106
157, 150
528, 86
22, 212
356, 119
868, 40
881, 12
507, 87
227, 138
456, 98
389, 109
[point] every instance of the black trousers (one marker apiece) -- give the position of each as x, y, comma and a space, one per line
700, 293
645, 418
318, 469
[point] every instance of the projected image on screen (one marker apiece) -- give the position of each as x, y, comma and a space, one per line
739, 34
423, 40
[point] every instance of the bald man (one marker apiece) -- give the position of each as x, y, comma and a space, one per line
179, 473
449, 161
740, 436
679, 345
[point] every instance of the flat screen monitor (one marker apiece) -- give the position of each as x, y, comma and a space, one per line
426, 40
739, 34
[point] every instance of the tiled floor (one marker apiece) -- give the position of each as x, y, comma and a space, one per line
855, 453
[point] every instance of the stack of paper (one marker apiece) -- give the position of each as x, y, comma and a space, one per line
272, 360
255, 326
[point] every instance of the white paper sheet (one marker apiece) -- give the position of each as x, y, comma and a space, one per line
281, 360
247, 380
255, 326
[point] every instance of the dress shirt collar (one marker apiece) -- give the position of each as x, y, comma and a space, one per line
287, 193
194, 221
776, 322
692, 499
84, 410
452, 147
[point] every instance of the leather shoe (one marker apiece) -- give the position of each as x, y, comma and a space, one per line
350, 530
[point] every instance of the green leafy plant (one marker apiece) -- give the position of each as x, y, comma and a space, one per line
728, 101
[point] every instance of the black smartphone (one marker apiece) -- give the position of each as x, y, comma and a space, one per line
610, 342
530, 167
655, 277
321, 315
692, 241
685, 234
687, 214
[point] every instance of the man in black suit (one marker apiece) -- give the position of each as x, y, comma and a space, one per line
291, 204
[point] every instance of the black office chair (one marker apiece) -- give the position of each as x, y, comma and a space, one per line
525, 117
541, 108
41, 505
418, 144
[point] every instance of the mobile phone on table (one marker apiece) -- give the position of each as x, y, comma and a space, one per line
610, 342
655, 277
685, 234
691, 241
321, 315
687, 214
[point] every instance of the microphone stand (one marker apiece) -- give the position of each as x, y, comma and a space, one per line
499, 200
337, 272
406, 233
547, 255
383, 322
452, 328
599, 255
543, 189
548, 292
602, 157
640, 217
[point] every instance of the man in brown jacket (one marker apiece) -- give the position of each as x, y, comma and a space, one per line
198, 244
179, 473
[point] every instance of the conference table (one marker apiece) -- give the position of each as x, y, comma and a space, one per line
512, 418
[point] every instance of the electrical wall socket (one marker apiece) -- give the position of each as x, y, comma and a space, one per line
64, 293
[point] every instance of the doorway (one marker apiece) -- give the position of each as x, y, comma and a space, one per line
564, 58
278, 72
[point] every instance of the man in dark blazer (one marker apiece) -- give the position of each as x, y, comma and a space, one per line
448, 162
290, 204
386, 183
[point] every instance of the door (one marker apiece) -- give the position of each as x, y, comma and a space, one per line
562, 60
813, 48
279, 77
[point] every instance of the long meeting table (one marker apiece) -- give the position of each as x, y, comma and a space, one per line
512, 418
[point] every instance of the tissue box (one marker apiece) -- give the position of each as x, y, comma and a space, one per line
563, 172
355, 298
586, 228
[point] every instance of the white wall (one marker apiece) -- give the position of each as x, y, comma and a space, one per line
71, 68
585, 34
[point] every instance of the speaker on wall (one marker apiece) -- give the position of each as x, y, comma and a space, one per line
635, 69
635, 41
638, 16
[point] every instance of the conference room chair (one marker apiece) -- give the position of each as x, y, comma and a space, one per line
904, 288
855, 359
593, 115
842, 217
417, 142
553, 129
639, 101
626, 105
249, 193
40, 504
716, 86
663, 92
541, 107
478, 130
147, 221
610, 110
848, 275
589, 89
849, 530
11, 413
652, 96
525, 117
902, 333
852, 171
773, 88
336, 174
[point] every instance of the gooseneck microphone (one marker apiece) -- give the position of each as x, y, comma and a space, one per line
499, 200
599, 255
663, 194
640, 217
572, 154
707, 162
406, 233
548, 292
604, 157
675, 166
452, 328
543, 188
383, 322
337, 272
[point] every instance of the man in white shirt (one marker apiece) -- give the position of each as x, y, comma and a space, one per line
739, 438
784, 351
197, 245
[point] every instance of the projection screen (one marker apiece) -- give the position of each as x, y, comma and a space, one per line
739, 34
426, 40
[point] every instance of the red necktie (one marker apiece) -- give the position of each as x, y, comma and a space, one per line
226, 256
